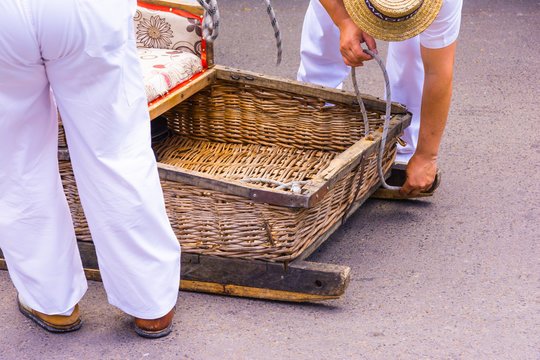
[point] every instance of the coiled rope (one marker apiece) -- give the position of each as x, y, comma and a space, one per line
211, 20
294, 186
387, 115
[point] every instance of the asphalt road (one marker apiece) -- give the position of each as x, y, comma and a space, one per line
455, 276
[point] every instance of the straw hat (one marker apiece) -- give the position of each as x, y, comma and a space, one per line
393, 20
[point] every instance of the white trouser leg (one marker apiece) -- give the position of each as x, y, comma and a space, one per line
36, 232
406, 74
95, 75
320, 59
101, 98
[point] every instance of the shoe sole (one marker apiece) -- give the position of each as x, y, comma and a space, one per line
47, 326
153, 334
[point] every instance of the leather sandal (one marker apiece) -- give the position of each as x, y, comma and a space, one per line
154, 328
52, 323
397, 178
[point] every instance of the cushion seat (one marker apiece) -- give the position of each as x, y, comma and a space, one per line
164, 69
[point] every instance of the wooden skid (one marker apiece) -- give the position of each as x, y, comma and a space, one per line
298, 281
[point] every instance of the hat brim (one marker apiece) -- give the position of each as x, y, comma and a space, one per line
392, 31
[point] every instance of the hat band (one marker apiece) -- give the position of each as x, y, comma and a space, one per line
389, 18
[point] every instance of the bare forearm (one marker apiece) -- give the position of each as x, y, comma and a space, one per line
434, 113
437, 92
438, 68
336, 10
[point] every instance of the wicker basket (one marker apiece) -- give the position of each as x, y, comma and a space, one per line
230, 146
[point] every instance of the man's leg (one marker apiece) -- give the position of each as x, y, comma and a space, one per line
320, 59
406, 75
100, 94
36, 232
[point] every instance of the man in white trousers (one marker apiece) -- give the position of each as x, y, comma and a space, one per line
422, 35
80, 56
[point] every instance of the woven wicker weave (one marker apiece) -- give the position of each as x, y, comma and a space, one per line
235, 131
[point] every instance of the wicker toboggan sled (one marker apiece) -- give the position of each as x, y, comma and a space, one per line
228, 149
257, 172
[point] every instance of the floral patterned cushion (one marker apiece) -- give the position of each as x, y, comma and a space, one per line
165, 69
167, 28
169, 43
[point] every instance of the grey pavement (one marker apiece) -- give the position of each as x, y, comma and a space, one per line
455, 276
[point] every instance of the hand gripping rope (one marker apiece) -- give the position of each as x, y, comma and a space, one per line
211, 23
386, 117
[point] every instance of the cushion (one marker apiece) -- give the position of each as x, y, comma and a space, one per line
165, 69
167, 28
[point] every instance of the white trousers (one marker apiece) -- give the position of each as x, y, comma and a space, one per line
321, 61
82, 54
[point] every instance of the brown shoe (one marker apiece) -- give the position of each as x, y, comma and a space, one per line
154, 328
52, 323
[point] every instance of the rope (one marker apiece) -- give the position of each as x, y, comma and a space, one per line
211, 21
387, 115
275, 26
295, 186
359, 98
